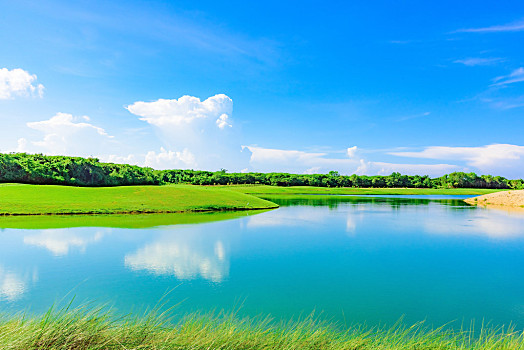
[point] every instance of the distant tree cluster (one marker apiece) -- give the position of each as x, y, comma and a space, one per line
472, 180
77, 171
334, 179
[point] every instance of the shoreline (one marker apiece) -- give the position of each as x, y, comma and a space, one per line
189, 211
508, 200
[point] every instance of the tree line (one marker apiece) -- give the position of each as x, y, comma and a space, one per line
334, 179
78, 171
74, 171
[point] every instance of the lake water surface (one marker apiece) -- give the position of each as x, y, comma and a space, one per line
350, 259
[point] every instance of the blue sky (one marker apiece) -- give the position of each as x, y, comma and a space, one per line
299, 86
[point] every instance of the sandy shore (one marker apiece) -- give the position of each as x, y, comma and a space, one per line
512, 199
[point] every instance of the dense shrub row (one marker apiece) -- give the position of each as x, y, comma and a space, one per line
77, 171
334, 179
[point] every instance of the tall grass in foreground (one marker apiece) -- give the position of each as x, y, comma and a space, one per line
97, 328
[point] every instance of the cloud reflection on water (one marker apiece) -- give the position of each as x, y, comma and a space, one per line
61, 241
14, 285
309, 217
289, 216
479, 221
185, 255
435, 217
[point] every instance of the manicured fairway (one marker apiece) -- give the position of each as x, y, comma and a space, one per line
18, 199
40, 199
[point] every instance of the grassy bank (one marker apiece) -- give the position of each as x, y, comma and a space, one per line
52, 199
96, 329
18, 199
293, 190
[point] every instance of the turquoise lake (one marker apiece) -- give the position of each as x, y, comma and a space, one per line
349, 259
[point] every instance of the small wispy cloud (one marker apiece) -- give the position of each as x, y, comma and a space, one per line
510, 27
516, 76
401, 42
414, 116
477, 61
498, 97
172, 29
505, 103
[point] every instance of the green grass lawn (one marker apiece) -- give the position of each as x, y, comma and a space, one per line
50, 199
19, 199
264, 189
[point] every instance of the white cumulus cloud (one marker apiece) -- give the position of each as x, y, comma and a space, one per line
193, 133
261, 156
499, 159
18, 82
170, 160
118, 159
351, 151
65, 134
384, 168
293, 161
186, 109
222, 121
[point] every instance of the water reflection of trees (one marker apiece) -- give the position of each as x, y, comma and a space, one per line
432, 216
333, 202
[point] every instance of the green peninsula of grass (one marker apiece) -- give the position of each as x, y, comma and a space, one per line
22, 199
52, 199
